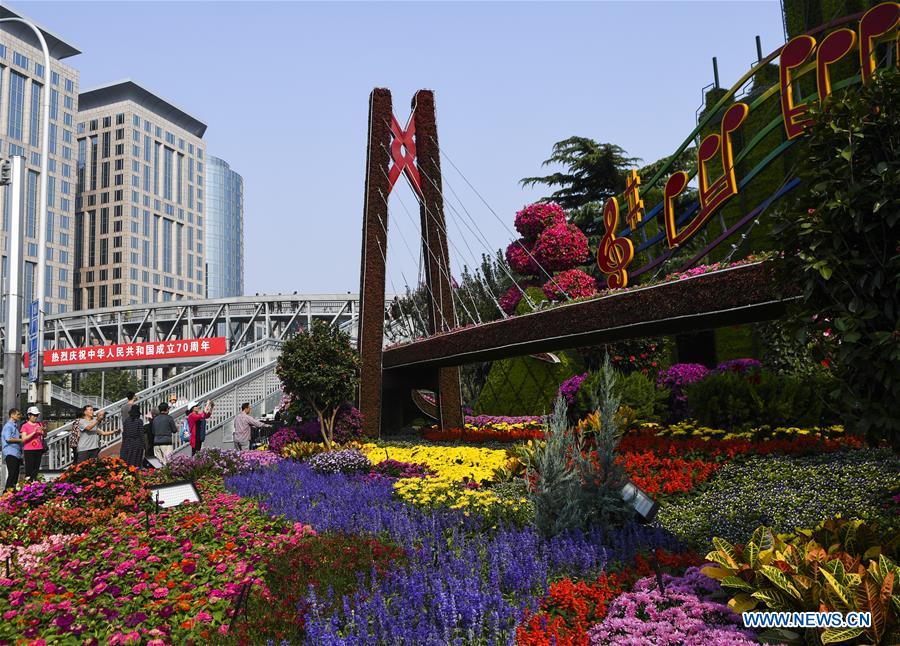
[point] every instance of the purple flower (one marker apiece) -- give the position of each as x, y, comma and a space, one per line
570, 387
349, 461
739, 365
676, 378
679, 616
134, 619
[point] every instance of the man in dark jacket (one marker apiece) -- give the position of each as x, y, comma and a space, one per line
164, 430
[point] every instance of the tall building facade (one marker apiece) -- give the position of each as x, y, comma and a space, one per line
23, 81
141, 207
224, 230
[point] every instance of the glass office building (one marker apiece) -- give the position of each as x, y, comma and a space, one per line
23, 84
140, 209
224, 230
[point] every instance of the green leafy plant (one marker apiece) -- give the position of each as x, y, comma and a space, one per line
839, 238
636, 391
321, 368
847, 571
736, 400
574, 480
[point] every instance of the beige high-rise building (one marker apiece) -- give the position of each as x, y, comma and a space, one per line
140, 207
23, 80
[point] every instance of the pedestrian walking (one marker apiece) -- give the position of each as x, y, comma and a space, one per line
131, 400
243, 427
163, 432
132, 450
12, 448
89, 434
197, 424
33, 437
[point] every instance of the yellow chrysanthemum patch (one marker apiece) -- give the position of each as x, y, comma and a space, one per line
454, 467
453, 463
690, 428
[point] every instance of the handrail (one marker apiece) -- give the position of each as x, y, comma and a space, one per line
205, 380
258, 389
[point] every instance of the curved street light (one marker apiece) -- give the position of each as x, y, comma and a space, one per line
40, 279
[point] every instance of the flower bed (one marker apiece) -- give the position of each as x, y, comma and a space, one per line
121, 582
784, 492
463, 581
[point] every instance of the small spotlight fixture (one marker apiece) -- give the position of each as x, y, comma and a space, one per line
644, 506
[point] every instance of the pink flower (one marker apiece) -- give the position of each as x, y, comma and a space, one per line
561, 246
138, 588
534, 218
520, 256
205, 617
160, 593
572, 283
141, 552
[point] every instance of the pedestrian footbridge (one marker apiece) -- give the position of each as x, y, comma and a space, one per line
243, 375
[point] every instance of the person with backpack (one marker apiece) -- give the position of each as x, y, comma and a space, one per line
164, 430
196, 421
33, 437
86, 434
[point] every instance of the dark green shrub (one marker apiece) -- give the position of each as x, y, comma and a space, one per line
635, 390
742, 400
839, 236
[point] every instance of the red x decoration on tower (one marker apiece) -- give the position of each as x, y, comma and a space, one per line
404, 162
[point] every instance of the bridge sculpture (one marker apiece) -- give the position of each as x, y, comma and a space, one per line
746, 148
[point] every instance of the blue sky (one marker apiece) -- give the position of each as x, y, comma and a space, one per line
283, 87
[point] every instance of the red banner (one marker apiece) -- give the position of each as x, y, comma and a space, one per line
150, 351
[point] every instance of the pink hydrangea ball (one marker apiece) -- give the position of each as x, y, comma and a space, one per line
572, 283
561, 247
534, 218
521, 259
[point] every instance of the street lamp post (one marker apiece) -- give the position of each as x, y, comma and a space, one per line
41, 271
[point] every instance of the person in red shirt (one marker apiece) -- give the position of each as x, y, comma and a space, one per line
33, 437
197, 424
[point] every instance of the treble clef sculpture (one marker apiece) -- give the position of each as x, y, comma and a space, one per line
614, 254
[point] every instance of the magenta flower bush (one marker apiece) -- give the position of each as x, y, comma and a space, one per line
675, 378
572, 283
561, 246
509, 301
683, 615
570, 387
739, 365
521, 258
534, 218
282, 438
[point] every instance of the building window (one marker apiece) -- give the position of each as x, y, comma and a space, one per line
67, 119
93, 124
70, 84
54, 104
21, 60
120, 134
35, 126
69, 102
16, 106
120, 119
136, 121
107, 122
120, 149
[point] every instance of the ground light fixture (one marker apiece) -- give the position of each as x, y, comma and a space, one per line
644, 506
174, 494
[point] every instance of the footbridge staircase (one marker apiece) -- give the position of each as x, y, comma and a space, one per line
244, 375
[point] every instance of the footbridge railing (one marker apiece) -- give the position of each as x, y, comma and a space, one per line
248, 372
